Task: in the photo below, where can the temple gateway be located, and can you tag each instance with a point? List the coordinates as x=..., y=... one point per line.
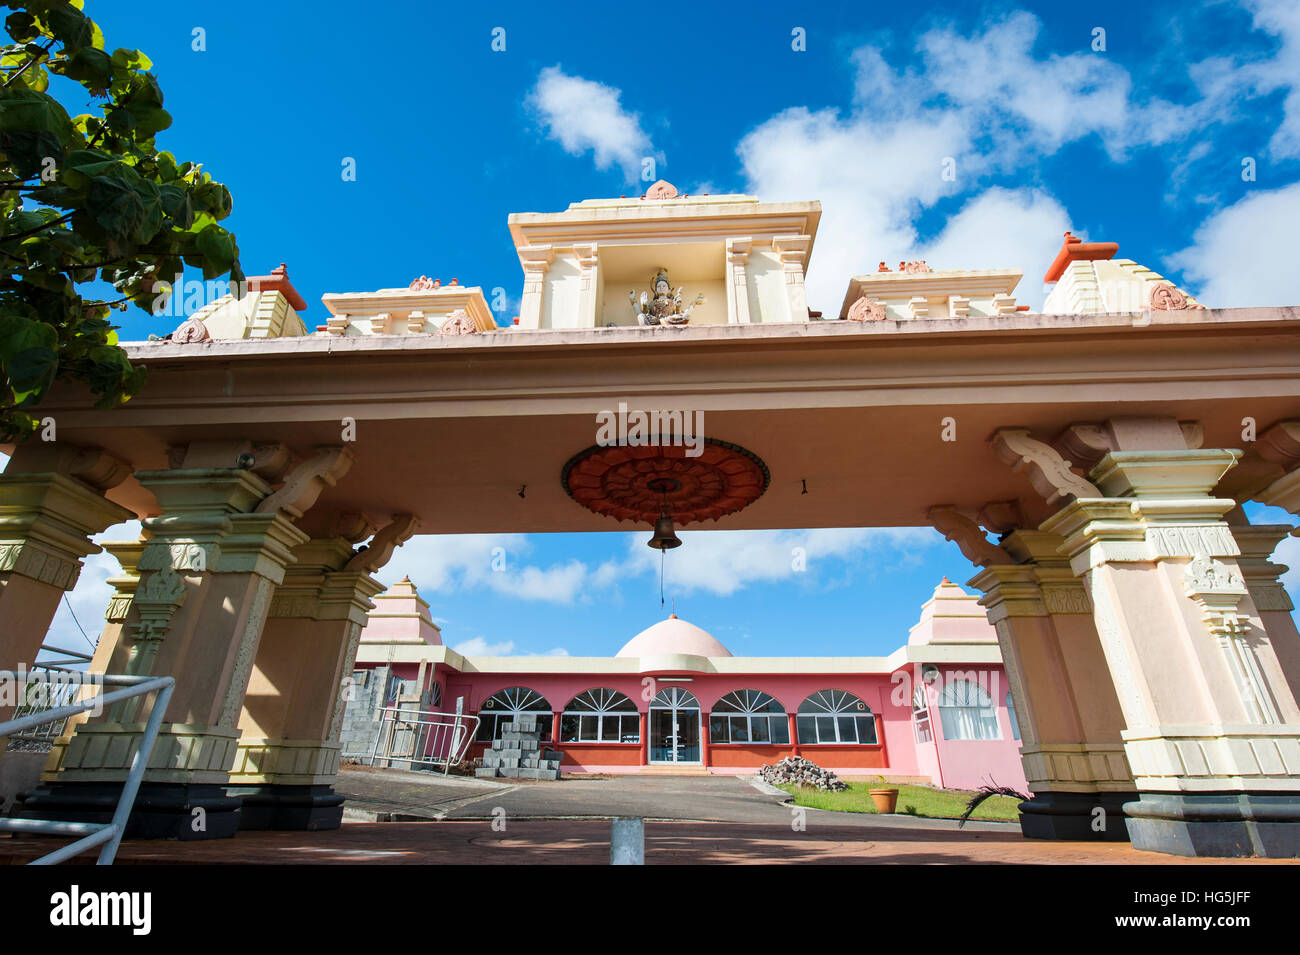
x=1091, y=462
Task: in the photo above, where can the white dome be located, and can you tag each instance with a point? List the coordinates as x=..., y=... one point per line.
x=673, y=636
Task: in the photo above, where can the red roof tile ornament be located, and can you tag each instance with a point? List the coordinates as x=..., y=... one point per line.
x=192, y=331
x=663, y=189
x=424, y=284
x=866, y=310
x=459, y=323
x=1074, y=249
x=1166, y=297
x=278, y=281
x=884, y=268
x=616, y=481
x=917, y=266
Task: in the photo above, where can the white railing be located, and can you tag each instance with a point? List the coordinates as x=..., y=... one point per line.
x=107, y=834
x=423, y=739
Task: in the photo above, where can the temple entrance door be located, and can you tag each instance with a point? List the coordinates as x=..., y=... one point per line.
x=674, y=728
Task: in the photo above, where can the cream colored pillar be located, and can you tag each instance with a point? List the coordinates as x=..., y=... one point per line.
x=293, y=711
x=1213, y=728
x=1069, y=716
x=51, y=503
x=738, y=280
x=206, y=575
x=536, y=261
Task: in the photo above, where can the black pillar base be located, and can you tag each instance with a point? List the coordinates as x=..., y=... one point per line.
x=162, y=810
x=1062, y=815
x=311, y=808
x=1224, y=825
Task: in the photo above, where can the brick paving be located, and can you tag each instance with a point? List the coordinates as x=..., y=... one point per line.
x=586, y=842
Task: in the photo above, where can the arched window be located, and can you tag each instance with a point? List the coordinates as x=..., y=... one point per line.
x=600, y=715
x=921, y=715
x=505, y=706
x=674, y=697
x=1011, y=716
x=748, y=716
x=835, y=716
x=966, y=712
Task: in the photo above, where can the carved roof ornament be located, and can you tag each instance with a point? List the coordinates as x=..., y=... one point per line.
x=458, y=323
x=1048, y=472
x=192, y=331
x=663, y=189
x=1166, y=297
x=665, y=308
x=915, y=266
x=867, y=310
x=967, y=535
x=376, y=554
x=425, y=284
x=306, y=482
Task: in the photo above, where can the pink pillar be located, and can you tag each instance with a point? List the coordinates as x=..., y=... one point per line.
x=645, y=739
x=794, y=734
x=704, y=739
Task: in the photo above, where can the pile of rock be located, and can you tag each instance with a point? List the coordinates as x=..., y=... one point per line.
x=802, y=772
x=518, y=754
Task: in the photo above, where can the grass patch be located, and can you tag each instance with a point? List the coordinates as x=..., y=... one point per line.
x=912, y=800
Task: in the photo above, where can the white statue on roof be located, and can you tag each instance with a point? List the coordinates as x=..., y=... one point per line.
x=666, y=306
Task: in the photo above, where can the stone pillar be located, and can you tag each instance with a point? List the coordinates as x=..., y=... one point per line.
x=51, y=503
x=536, y=261
x=1213, y=729
x=292, y=716
x=206, y=575
x=1070, y=719
x=793, y=252
x=588, y=285
x=1257, y=543
x=738, y=280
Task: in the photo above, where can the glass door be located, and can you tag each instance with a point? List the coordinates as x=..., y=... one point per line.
x=674, y=727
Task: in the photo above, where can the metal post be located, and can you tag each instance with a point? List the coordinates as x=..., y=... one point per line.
x=627, y=841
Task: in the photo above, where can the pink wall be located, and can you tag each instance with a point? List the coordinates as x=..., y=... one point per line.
x=954, y=764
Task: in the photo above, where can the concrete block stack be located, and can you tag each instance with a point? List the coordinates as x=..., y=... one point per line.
x=518, y=754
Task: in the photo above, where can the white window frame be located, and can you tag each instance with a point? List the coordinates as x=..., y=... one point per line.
x=967, y=713
x=921, y=714
x=518, y=703
x=753, y=704
x=835, y=704
x=600, y=702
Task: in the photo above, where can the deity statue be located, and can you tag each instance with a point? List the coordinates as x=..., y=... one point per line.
x=666, y=306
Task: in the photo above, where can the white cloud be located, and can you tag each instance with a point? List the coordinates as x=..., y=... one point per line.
x=1001, y=228
x=1281, y=18
x=724, y=562
x=482, y=647
x=484, y=561
x=986, y=104
x=1243, y=255
x=583, y=115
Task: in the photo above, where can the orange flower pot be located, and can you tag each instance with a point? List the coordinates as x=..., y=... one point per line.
x=886, y=800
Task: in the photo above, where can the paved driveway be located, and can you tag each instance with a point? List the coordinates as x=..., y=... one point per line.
x=695, y=798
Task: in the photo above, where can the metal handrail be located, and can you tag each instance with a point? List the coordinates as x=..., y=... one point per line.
x=109, y=834
x=435, y=737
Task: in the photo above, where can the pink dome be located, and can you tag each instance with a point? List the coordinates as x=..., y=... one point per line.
x=673, y=636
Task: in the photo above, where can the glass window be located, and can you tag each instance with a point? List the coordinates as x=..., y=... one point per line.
x=966, y=712
x=600, y=715
x=506, y=706
x=921, y=715
x=835, y=716
x=749, y=716
x=1011, y=716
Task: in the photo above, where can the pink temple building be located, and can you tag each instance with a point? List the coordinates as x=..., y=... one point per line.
x=674, y=699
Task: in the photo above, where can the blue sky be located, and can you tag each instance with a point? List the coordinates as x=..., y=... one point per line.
x=1143, y=142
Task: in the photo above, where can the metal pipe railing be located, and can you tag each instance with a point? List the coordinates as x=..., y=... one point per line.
x=427, y=738
x=107, y=834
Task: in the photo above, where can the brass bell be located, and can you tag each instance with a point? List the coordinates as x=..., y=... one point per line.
x=665, y=538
